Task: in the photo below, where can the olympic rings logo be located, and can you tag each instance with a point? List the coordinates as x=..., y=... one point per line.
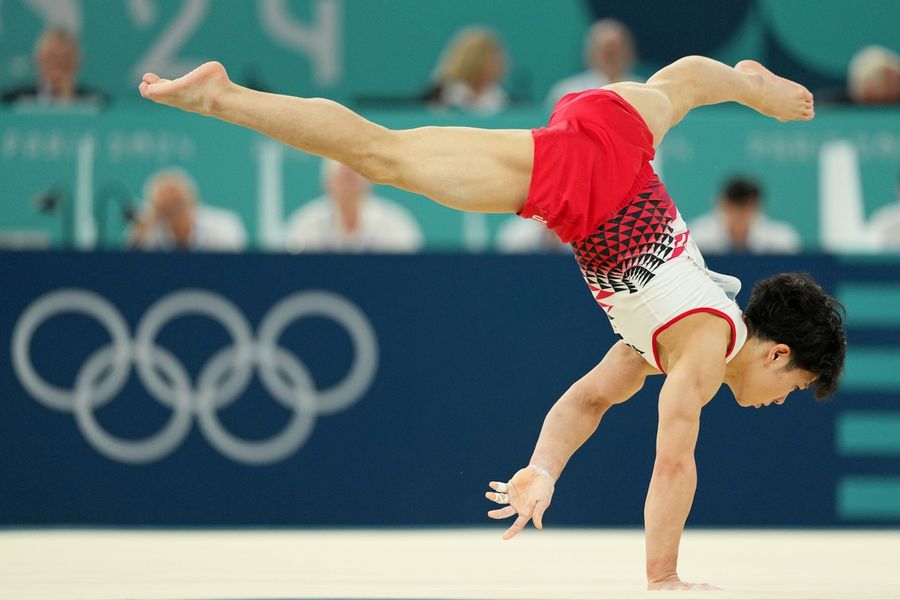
x=220, y=381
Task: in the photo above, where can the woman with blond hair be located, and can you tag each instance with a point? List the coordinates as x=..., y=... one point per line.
x=469, y=72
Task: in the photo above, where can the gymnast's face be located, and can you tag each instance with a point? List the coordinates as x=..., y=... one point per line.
x=767, y=379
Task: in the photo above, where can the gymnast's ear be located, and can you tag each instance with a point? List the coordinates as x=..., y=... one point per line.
x=780, y=354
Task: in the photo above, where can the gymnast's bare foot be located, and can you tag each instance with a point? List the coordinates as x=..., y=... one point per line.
x=197, y=91
x=779, y=98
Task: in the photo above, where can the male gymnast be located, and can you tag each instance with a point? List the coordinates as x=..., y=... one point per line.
x=587, y=176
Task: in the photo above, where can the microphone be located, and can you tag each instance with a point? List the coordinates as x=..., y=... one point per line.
x=113, y=192
x=55, y=200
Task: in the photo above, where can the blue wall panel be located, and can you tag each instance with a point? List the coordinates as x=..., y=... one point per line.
x=471, y=352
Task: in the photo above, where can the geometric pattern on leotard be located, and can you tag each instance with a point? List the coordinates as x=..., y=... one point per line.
x=625, y=251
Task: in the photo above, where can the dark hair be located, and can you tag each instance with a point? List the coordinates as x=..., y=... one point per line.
x=792, y=309
x=741, y=191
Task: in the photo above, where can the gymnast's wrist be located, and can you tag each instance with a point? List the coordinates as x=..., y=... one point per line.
x=547, y=468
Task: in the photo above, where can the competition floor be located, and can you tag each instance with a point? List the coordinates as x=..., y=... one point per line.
x=90, y=564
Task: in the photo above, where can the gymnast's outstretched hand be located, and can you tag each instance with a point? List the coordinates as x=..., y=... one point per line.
x=527, y=494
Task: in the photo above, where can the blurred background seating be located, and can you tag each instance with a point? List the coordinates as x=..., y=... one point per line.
x=494, y=65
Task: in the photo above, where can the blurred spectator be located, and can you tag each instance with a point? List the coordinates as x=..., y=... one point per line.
x=874, y=76
x=609, y=55
x=57, y=60
x=469, y=73
x=521, y=236
x=348, y=218
x=738, y=224
x=174, y=218
x=884, y=226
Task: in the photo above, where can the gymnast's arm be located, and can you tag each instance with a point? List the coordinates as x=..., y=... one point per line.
x=571, y=421
x=693, y=356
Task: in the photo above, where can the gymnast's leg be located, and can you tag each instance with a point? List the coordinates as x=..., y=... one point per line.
x=464, y=168
x=697, y=81
x=468, y=169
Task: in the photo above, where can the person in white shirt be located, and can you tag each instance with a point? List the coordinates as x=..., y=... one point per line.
x=884, y=226
x=175, y=219
x=609, y=55
x=737, y=224
x=349, y=218
x=57, y=64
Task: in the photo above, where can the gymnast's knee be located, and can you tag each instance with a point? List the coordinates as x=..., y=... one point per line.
x=682, y=82
x=377, y=159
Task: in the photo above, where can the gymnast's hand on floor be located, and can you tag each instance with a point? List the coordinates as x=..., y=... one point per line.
x=674, y=583
x=528, y=495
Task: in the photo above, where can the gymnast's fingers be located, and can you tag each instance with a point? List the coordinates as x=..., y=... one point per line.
x=502, y=513
x=538, y=516
x=498, y=498
x=516, y=527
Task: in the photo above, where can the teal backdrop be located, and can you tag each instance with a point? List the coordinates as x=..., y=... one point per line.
x=357, y=49
x=378, y=55
x=120, y=149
